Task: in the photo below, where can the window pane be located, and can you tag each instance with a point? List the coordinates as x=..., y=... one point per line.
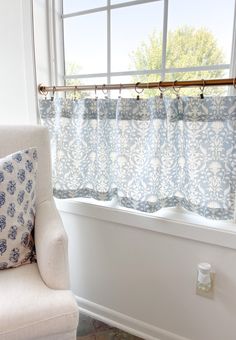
x=134, y=29
x=199, y=32
x=85, y=44
x=70, y=6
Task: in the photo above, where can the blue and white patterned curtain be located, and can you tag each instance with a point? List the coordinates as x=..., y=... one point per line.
x=149, y=153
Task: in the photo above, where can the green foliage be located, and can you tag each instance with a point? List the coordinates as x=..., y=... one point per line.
x=72, y=68
x=186, y=47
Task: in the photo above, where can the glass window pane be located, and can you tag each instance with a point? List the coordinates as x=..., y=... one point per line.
x=133, y=30
x=199, y=32
x=85, y=44
x=70, y=6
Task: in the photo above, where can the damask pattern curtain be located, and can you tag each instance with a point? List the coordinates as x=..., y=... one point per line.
x=149, y=153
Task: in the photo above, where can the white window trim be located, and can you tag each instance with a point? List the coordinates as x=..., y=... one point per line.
x=169, y=221
x=231, y=67
x=108, y=7
x=232, y=72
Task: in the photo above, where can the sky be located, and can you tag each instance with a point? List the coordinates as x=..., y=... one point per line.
x=85, y=36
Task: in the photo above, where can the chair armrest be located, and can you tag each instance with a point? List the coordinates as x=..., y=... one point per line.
x=51, y=246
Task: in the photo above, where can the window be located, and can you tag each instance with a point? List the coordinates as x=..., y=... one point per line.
x=117, y=41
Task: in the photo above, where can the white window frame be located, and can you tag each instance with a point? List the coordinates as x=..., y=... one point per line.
x=59, y=52
x=187, y=224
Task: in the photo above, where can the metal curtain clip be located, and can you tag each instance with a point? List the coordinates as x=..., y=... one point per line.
x=202, y=89
x=105, y=93
x=120, y=91
x=136, y=85
x=175, y=90
x=95, y=90
x=161, y=90
x=234, y=83
x=53, y=93
x=75, y=90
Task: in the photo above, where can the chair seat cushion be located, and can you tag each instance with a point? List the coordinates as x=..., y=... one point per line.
x=31, y=310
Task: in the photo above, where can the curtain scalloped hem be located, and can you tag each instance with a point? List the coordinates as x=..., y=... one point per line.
x=145, y=206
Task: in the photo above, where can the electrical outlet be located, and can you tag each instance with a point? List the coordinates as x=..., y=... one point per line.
x=207, y=292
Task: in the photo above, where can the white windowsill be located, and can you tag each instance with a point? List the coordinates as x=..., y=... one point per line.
x=170, y=221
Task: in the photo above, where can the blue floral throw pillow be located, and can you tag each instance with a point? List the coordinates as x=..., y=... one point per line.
x=17, y=208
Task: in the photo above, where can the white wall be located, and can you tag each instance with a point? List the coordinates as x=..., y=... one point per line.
x=150, y=278
x=17, y=84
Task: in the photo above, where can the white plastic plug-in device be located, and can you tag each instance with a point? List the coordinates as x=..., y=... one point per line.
x=205, y=280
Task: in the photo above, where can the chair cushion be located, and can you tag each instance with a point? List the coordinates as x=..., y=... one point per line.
x=17, y=207
x=31, y=310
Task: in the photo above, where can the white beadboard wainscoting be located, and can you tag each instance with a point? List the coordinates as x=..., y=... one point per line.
x=138, y=271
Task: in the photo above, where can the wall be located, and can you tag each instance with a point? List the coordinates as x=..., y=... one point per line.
x=26, y=57
x=17, y=85
x=144, y=280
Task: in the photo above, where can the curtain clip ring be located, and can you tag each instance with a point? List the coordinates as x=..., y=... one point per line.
x=175, y=89
x=120, y=90
x=202, y=89
x=75, y=91
x=103, y=88
x=136, y=85
x=53, y=93
x=234, y=83
x=161, y=90
x=95, y=90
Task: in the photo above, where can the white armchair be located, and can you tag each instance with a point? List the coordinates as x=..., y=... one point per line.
x=35, y=299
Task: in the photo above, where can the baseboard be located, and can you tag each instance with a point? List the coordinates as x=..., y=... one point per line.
x=125, y=322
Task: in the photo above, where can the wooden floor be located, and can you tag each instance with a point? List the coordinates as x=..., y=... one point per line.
x=91, y=329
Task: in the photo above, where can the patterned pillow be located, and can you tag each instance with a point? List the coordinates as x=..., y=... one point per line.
x=17, y=208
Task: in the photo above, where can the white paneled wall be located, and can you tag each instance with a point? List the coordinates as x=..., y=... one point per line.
x=145, y=280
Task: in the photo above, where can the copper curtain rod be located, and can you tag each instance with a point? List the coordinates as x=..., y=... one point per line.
x=162, y=84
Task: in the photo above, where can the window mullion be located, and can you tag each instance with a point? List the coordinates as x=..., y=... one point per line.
x=232, y=72
x=51, y=41
x=164, y=40
x=156, y=71
x=108, y=41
